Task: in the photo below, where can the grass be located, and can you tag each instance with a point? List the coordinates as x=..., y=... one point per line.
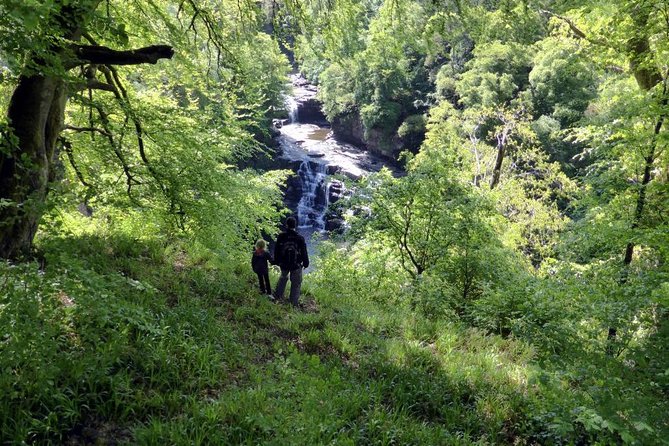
x=126, y=341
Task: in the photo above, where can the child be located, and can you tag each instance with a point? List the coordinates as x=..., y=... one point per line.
x=259, y=263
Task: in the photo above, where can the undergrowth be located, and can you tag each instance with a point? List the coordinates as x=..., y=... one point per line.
x=115, y=340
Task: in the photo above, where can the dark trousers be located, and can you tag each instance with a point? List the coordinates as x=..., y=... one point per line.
x=295, y=284
x=263, y=280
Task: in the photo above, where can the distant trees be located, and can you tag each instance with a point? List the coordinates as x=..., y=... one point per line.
x=546, y=125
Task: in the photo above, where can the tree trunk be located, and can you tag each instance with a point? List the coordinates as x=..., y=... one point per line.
x=36, y=116
x=497, y=169
x=647, y=77
x=501, y=148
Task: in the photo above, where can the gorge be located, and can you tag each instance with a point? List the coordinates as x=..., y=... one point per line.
x=309, y=147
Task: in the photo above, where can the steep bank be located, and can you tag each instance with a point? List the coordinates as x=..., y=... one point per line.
x=349, y=128
x=144, y=343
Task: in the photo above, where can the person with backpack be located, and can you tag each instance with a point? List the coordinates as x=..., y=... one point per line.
x=260, y=266
x=290, y=253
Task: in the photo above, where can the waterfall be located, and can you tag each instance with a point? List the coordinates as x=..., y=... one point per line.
x=314, y=201
x=313, y=181
x=312, y=151
x=291, y=105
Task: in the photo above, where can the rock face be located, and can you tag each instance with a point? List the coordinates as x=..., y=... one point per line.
x=335, y=191
x=349, y=128
x=293, y=192
x=334, y=224
x=309, y=109
x=267, y=159
x=334, y=220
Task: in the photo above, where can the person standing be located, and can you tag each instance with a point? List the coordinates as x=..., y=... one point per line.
x=259, y=263
x=290, y=253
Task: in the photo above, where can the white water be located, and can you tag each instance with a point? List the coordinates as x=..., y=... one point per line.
x=316, y=149
x=291, y=105
x=314, y=201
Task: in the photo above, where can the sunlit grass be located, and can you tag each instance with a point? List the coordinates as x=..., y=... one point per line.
x=154, y=344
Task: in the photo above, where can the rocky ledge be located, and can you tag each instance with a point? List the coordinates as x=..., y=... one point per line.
x=349, y=128
x=309, y=108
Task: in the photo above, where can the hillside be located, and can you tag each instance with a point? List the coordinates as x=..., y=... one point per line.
x=119, y=339
x=486, y=181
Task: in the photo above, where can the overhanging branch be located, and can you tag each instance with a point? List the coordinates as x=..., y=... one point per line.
x=575, y=29
x=94, y=84
x=87, y=129
x=97, y=54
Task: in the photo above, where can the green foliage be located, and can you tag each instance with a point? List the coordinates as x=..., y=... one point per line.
x=470, y=301
x=495, y=75
x=337, y=90
x=412, y=131
x=561, y=81
x=384, y=115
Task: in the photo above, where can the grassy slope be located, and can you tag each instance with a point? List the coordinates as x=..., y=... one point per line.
x=123, y=340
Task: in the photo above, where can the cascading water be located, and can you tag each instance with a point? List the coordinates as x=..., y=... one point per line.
x=291, y=105
x=314, y=200
x=313, y=181
x=312, y=146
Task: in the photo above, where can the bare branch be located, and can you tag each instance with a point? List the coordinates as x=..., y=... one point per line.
x=572, y=26
x=102, y=55
x=408, y=208
x=112, y=77
x=87, y=129
x=67, y=147
x=576, y=30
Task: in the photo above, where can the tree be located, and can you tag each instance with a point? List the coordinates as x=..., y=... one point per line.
x=173, y=132
x=36, y=110
x=624, y=35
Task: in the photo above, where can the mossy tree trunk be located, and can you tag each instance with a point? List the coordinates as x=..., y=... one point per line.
x=35, y=117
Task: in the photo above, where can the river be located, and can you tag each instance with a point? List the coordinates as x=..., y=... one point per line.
x=307, y=142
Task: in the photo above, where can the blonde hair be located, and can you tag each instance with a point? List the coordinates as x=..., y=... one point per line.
x=261, y=244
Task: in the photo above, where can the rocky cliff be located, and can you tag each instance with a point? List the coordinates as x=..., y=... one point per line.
x=309, y=109
x=349, y=128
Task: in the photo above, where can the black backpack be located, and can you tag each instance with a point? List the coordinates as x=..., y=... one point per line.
x=290, y=254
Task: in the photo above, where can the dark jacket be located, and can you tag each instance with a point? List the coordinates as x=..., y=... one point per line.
x=259, y=262
x=291, y=235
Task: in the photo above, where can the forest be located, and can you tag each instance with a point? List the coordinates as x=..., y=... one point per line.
x=495, y=272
